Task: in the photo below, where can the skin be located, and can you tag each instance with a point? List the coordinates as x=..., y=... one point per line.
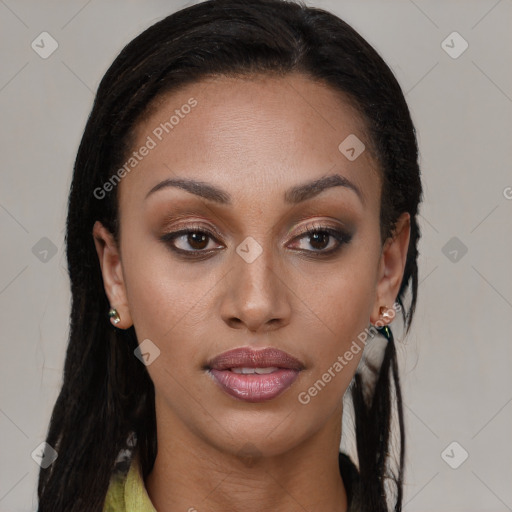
x=254, y=138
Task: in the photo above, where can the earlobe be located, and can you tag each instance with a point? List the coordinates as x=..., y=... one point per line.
x=112, y=272
x=391, y=269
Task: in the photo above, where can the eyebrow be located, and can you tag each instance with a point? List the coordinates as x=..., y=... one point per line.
x=294, y=195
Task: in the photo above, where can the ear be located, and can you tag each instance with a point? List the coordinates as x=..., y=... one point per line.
x=391, y=270
x=112, y=271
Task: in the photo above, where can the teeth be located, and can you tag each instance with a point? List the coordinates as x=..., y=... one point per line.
x=259, y=371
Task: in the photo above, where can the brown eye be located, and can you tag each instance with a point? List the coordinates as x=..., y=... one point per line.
x=191, y=241
x=319, y=238
x=196, y=240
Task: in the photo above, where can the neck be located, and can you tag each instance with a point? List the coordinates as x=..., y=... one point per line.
x=191, y=475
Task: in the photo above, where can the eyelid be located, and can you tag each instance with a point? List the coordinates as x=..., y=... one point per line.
x=342, y=237
x=344, y=231
x=169, y=236
x=210, y=230
x=317, y=225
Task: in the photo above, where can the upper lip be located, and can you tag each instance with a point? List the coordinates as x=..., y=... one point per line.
x=246, y=357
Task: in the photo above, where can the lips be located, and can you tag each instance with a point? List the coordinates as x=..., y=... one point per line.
x=246, y=357
x=254, y=375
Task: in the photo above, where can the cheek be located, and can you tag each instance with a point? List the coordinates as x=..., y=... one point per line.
x=168, y=307
x=340, y=297
x=165, y=305
x=337, y=310
x=171, y=304
x=163, y=292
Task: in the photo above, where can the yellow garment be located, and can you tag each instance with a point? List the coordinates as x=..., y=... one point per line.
x=127, y=492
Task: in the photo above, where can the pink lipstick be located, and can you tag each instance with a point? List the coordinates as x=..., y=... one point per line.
x=254, y=375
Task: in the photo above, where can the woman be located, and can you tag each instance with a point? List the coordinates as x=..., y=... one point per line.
x=242, y=221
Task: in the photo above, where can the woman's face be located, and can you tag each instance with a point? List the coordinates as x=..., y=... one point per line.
x=258, y=280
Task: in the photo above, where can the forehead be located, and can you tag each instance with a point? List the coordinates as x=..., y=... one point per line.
x=249, y=135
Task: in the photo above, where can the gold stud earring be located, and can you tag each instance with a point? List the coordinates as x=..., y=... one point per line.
x=114, y=316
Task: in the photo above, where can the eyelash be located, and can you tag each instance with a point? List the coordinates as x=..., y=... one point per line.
x=340, y=236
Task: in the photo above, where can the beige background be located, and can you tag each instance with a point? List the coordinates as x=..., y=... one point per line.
x=456, y=360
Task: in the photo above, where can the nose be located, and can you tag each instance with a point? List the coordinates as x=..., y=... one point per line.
x=255, y=295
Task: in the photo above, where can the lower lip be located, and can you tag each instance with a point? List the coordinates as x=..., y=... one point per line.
x=254, y=387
